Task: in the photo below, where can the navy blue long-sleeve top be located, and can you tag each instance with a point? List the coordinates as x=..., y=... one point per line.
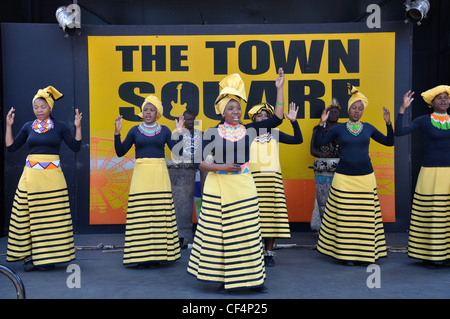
x=436, y=141
x=297, y=138
x=146, y=146
x=45, y=143
x=354, y=158
x=225, y=151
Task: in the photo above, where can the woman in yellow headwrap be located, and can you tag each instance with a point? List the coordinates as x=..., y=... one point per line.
x=151, y=234
x=266, y=170
x=40, y=231
x=429, y=232
x=352, y=228
x=227, y=245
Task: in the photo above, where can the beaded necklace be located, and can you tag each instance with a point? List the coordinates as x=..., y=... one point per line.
x=150, y=130
x=42, y=126
x=440, y=120
x=232, y=133
x=264, y=138
x=354, y=127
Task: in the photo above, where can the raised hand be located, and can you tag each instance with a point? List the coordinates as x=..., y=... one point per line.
x=118, y=124
x=407, y=100
x=386, y=115
x=179, y=123
x=10, y=117
x=324, y=115
x=292, y=114
x=279, y=82
x=78, y=117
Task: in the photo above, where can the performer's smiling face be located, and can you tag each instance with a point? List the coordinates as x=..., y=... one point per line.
x=233, y=112
x=41, y=109
x=355, y=111
x=440, y=103
x=149, y=113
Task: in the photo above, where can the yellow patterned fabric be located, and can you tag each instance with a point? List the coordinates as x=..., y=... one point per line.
x=429, y=231
x=227, y=245
x=231, y=87
x=49, y=94
x=266, y=170
x=352, y=225
x=255, y=110
x=41, y=223
x=151, y=233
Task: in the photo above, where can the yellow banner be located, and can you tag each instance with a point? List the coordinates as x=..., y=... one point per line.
x=184, y=71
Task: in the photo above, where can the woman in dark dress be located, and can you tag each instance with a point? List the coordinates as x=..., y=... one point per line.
x=352, y=228
x=40, y=230
x=429, y=232
x=227, y=244
x=266, y=170
x=151, y=234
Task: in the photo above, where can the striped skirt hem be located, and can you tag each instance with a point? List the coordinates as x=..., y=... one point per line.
x=273, y=213
x=227, y=245
x=151, y=229
x=352, y=226
x=429, y=232
x=41, y=223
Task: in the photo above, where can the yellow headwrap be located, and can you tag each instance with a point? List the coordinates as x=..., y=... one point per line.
x=429, y=95
x=356, y=96
x=49, y=94
x=156, y=102
x=232, y=87
x=255, y=110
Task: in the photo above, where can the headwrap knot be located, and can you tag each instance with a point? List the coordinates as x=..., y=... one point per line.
x=232, y=87
x=49, y=94
x=356, y=96
x=255, y=110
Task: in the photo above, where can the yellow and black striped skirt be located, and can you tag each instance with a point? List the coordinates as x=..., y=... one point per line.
x=352, y=226
x=429, y=232
x=227, y=246
x=151, y=228
x=273, y=213
x=41, y=224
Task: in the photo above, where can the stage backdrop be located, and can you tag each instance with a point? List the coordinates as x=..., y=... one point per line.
x=184, y=71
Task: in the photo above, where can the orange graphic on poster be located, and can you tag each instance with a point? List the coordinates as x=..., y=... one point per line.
x=110, y=180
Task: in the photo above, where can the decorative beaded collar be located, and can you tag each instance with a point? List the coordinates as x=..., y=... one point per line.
x=354, y=127
x=264, y=138
x=232, y=133
x=440, y=120
x=150, y=130
x=42, y=126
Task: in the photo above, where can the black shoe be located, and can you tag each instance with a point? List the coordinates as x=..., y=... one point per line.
x=261, y=289
x=268, y=261
x=429, y=264
x=268, y=258
x=349, y=263
x=28, y=265
x=45, y=267
x=222, y=289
